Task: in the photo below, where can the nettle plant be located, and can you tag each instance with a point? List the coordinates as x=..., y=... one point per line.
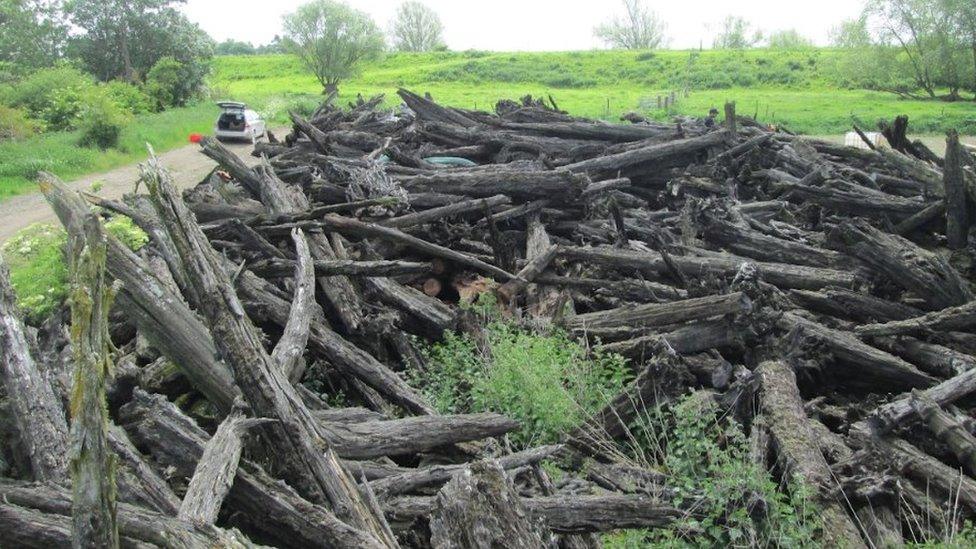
x=543, y=378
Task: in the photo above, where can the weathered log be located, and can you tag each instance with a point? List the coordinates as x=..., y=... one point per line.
x=631, y=290
x=270, y=507
x=795, y=445
x=435, y=214
x=412, y=435
x=866, y=360
x=892, y=414
x=93, y=506
x=843, y=303
x=554, y=185
x=215, y=471
x=947, y=429
x=751, y=243
x=480, y=508
x=951, y=318
x=932, y=358
x=296, y=438
x=563, y=514
x=285, y=267
x=632, y=161
x=920, y=219
x=695, y=338
x=39, y=415
x=779, y=274
x=907, y=265
x=532, y=269
x=409, y=481
x=636, y=319
x=38, y=515
x=432, y=312
x=957, y=209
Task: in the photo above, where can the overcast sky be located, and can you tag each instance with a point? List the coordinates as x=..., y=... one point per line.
x=538, y=25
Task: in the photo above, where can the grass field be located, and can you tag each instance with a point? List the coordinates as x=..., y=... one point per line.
x=60, y=154
x=798, y=89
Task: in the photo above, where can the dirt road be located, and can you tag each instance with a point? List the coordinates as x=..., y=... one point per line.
x=188, y=165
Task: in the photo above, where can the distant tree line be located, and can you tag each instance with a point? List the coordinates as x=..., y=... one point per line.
x=92, y=64
x=333, y=40
x=913, y=48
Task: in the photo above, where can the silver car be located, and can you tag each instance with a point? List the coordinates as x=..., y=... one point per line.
x=238, y=122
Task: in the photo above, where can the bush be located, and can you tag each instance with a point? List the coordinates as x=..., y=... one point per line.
x=129, y=98
x=171, y=83
x=14, y=124
x=38, y=272
x=64, y=107
x=101, y=121
x=34, y=92
x=547, y=381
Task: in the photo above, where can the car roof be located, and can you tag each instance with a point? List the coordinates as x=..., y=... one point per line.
x=231, y=105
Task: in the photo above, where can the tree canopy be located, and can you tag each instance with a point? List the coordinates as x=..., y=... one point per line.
x=33, y=33
x=788, y=39
x=416, y=27
x=639, y=28
x=332, y=40
x=126, y=38
x=736, y=34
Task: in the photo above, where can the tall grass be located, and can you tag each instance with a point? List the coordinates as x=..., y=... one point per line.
x=60, y=153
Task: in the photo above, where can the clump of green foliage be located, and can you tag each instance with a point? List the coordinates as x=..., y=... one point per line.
x=738, y=503
x=38, y=271
x=171, y=83
x=14, y=124
x=101, y=122
x=546, y=380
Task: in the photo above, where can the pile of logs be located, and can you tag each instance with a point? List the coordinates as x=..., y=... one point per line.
x=249, y=385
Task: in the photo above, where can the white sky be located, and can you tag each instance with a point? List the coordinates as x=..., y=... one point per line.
x=538, y=25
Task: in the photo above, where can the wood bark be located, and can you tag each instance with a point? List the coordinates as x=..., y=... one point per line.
x=93, y=466
x=215, y=472
x=795, y=445
x=39, y=415
x=957, y=208
x=480, y=508
x=305, y=457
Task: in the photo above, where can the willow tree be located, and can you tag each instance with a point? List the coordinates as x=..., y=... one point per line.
x=333, y=40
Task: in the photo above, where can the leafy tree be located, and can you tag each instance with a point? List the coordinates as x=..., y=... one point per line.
x=924, y=47
x=170, y=83
x=275, y=46
x=851, y=34
x=333, y=40
x=639, y=29
x=416, y=27
x=125, y=38
x=33, y=33
x=736, y=34
x=234, y=47
x=788, y=40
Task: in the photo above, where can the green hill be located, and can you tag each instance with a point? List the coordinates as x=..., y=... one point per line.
x=799, y=89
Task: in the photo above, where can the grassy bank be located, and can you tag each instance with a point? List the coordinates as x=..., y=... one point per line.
x=60, y=153
x=801, y=90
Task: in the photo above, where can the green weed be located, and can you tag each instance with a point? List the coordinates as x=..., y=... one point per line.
x=38, y=271
x=546, y=380
x=733, y=500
